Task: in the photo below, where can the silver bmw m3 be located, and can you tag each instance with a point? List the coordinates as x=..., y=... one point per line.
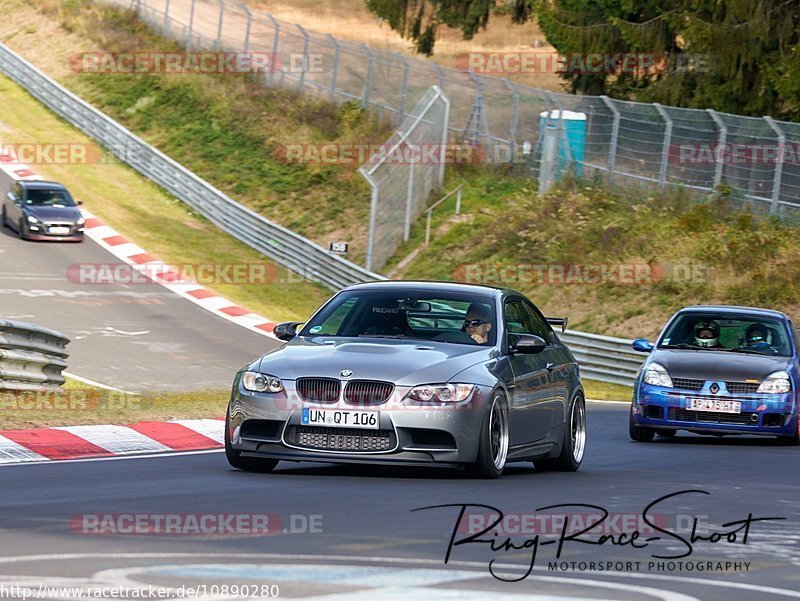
x=413, y=373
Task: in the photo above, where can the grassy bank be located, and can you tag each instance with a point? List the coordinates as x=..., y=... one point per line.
x=615, y=262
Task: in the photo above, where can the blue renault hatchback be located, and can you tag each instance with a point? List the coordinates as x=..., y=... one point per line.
x=719, y=370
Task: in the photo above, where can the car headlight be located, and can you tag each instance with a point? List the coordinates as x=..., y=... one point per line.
x=32, y=219
x=256, y=382
x=441, y=393
x=81, y=221
x=776, y=382
x=656, y=375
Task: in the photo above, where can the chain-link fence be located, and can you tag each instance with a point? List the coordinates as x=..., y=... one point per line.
x=404, y=174
x=699, y=149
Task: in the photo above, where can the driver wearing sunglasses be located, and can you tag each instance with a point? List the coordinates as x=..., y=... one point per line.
x=477, y=323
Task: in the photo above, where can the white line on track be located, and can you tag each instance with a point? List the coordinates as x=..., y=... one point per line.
x=116, y=458
x=361, y=560
x=97, y=384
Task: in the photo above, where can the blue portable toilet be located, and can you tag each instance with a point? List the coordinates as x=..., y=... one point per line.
x=574, y=125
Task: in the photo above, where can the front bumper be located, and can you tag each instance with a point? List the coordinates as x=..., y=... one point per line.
x=39, y=232
x=761, y=414
x=409, y=433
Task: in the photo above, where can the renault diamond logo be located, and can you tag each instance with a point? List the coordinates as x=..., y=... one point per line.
x=345, y=373
x=714, y=388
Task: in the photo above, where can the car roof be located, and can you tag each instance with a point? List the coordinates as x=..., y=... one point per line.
x=427, y=285
x=734, y=309
x=39, y=184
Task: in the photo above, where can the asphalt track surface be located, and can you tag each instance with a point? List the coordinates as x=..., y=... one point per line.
x=131, y=336
x=369, y=544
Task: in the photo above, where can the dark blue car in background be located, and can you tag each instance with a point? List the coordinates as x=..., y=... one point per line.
x=719, y=370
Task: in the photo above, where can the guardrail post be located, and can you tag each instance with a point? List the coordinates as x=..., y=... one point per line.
x=409, y=201
x=191, y=26
x=335, y=74
x=368, y=83
x=662, y=171
x=304, y=33
x=219, y=23
x=274, y=58
x=246, y=47
x=612, y=151
x=458, y=200
x=776, y=181
x=722, y=139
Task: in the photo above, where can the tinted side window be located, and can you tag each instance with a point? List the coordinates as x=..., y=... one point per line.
x=518, y=319
x=540, y=326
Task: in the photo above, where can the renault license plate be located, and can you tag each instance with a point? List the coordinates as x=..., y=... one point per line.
x=714, y=405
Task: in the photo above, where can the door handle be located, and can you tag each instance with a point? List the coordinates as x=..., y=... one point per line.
x=550, y=366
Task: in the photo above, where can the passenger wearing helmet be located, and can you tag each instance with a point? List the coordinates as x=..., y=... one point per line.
x=706, y=334
x=756, y=337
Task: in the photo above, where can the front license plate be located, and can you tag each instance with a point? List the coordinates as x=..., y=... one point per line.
x=714, y=405
x=58, y=230
x=335, y=418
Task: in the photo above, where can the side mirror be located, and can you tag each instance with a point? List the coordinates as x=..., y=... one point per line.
x=79, y=203
x=642, y=345
x=286, y=330
x=12, y=198
x=528, y=344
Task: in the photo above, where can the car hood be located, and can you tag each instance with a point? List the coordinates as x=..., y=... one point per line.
x=718, y=365
x=70, y=214
x=404, y=362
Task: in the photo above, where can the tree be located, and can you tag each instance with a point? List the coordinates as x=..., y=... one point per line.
x=738, y=56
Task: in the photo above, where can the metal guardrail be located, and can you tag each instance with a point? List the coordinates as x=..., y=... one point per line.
x=276, y=242
x=601, y=357
x=604, y=358
x=31, y=357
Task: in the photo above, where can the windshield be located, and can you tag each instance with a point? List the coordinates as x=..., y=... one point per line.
x=410, y=314
x=723, y=332
x=49, y=198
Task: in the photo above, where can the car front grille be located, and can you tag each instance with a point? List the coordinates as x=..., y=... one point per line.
x=746, y=387
x=710, y=417
x=687, y=383
x=319, y=390
x=367, y=392
x=341, y=439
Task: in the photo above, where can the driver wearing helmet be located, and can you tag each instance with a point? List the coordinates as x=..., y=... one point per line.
x=706, y=334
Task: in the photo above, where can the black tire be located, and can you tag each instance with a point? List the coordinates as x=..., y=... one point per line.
x=638, y=433
x=791, y=441
x=666, y=433
x=249, y=464
x=573, y=447
x=3, y=222
x=493, y=446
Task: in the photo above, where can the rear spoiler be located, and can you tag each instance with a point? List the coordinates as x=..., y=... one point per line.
x=558, y=321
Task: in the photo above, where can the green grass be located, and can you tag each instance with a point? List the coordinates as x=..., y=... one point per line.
x=688, y=251
x=233, y=131
x=159, y=223
x=80, y=404
x=604, y=391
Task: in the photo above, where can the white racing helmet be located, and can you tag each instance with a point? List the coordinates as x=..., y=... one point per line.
x=706, y=333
